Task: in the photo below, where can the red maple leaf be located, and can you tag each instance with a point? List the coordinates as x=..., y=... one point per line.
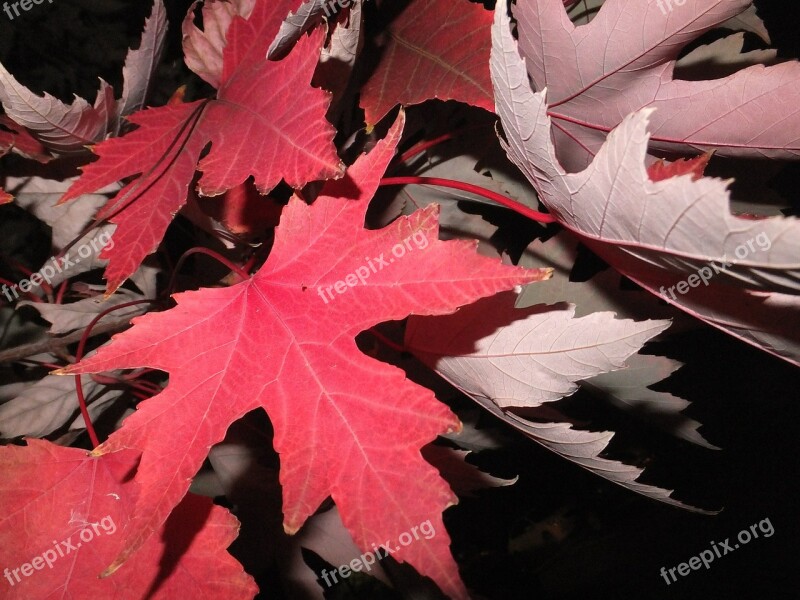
x=435, y=49
x=63, y=523
x=266, y=121
x=346, y=425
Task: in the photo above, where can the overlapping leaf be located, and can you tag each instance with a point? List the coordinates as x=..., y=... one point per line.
x=340, y=55
x=345, y=425
x=657, y=233
x=203, y=48
x=535, y=359
x=623, y=61
x=627, y=388
x=79, y=314
x=15, y=138
x=67, y=129
x=307, y=16
x=266, y=121
x=39, y=196
x=140, y=64
x=584, y=448
x=62, y=128
x=70, y=510
x=435, y=49
x=39, y=408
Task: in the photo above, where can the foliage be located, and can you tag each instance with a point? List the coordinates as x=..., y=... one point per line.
x=551, y=130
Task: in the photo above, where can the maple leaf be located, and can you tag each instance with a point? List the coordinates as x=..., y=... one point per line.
x=623, y=61
x=665, y=234
x=503, y=358
x=266, y=121
x=346, y=425
x=627, y=388
x=531, y=355
x=435, y=49
x=68, y=510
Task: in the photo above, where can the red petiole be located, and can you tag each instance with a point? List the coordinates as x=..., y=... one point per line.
x=521, y=209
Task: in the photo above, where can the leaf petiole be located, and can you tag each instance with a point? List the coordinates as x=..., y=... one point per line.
x=521, y=209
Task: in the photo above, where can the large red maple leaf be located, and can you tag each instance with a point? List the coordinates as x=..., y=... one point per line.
x=266, y=121
x=63, y=521
x=434, y=49
x=346, y=425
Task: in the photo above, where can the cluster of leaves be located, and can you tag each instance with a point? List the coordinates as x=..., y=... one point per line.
x=610, y=110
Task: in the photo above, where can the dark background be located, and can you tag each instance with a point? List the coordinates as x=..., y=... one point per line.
x=560, y=532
